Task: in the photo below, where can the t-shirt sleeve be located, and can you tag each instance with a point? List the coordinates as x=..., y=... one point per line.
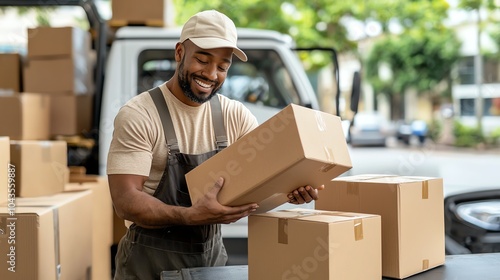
x=131, y=147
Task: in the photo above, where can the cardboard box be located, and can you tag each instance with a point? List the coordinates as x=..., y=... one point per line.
x=133, y=12
x=25, y=116
x=41, y=167
x=102, y=223
x=10, y=72
x=296, y=147
x=57, y=41
x=70, y=114
x=61, y=75
x=51, y=234
x=311, y=244
x=4, y=168
x=412, y=217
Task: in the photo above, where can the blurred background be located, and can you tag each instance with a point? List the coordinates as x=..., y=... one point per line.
x=426, y=67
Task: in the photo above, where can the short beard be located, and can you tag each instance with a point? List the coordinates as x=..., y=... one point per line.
x=186, y=88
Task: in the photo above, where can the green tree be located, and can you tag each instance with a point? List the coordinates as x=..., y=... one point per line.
x=310, y=23
x=421, y=57
x=477, y=6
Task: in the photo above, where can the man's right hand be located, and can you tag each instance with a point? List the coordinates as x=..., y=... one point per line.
x=208, y=210
x=132, y=204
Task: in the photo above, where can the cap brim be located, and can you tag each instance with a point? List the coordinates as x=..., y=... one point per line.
x=214, y=43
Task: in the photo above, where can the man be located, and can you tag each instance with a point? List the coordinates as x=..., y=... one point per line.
x=164, y=133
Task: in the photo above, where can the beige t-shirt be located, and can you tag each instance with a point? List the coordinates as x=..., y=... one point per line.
x=139, y=148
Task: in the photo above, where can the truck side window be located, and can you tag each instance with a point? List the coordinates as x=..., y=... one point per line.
x=263, y=79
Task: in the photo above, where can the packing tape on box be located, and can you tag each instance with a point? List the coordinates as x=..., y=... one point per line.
x=358, y=224
x=377, y=177
x=353, y=188
x=358, y=229
x=44, y=102
x=330, y=158
x=320, y=121
x=425, y=189
x=283, y=223
x=425, y=264
x=46, y=156
x=282, y=231
x=57, y=250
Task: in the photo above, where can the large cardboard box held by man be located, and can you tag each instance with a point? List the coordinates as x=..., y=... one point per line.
x=41, y=167
x=48, y=236
x=102, y=223
x=4, y=168
x=412, y=217
x=25, y=116
x=296, y=147
x=312, y=244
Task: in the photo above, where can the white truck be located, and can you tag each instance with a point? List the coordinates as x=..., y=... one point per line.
x=140, y=57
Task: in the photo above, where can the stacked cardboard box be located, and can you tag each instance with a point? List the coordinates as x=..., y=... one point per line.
x=41, y=167
x=138, y=12
x=25, y=116
x=10, y=73
x=59, y=65
x=102, y=221
x=58, y=61
x=412, y=217
x=401, y=217
x=52, y=230
x=47, y=237
x=70, y=114
x=58, y=235
x=296, y=147
x=311, y=244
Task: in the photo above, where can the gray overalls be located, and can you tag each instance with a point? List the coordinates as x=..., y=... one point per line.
x=144, y=253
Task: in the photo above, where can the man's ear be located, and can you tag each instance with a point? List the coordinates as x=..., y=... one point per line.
x=180, y=51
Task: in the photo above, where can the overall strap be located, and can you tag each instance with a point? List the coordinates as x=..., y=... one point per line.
x=218, y=122
x=166, y=120
x=168, y=126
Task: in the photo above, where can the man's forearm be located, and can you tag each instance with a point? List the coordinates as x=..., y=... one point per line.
x=148, y=211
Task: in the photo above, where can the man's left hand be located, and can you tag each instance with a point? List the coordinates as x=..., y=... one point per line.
x=304, y=195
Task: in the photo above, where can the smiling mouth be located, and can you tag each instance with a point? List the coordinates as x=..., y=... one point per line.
x=203, y=84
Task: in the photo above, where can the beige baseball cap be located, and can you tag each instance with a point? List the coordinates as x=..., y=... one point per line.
x=211, y=30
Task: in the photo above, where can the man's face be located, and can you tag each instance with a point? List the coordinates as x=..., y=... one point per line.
x=202, y=72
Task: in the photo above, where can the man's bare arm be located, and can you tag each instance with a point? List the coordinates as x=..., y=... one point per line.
x=132, y=204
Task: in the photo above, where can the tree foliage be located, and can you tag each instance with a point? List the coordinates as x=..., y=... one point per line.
x=310, y=23
x=421, y=56
x=416, y=58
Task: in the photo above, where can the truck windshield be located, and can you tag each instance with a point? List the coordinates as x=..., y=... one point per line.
x=263, y=79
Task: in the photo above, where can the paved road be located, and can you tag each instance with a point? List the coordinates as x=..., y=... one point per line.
x=461, y=170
